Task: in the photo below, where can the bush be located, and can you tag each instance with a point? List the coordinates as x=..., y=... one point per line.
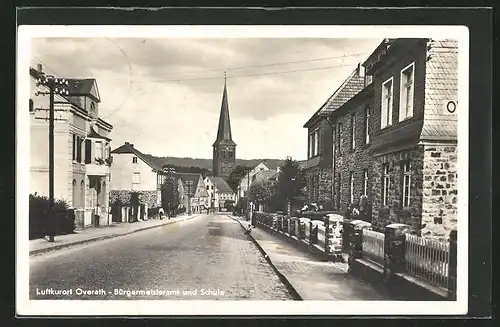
x=39, y=217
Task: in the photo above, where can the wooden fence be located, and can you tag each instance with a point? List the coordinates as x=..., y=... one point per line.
x=428, y=259
x=373, y=246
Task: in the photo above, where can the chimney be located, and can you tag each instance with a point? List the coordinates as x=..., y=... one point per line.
x=126, y=143
x=360, y=70
x=131, y=145
x=39, y=68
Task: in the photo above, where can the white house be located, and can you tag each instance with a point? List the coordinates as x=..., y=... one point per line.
x=81, y=148
x=133, y=171
x=219, y=191
x=248, y=179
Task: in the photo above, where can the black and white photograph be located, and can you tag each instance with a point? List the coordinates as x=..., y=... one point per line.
x=189, y=170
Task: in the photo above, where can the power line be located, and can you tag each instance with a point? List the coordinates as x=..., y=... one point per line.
x=258, y=74
x=266, y=65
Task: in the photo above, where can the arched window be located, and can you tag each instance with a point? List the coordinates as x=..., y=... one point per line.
x=73, y=195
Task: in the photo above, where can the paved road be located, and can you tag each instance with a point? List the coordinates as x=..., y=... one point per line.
x=207, y=257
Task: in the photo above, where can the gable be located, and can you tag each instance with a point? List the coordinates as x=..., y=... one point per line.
x=94, y=91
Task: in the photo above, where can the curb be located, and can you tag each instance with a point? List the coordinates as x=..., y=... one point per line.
x=296, y=296
x=102, y=238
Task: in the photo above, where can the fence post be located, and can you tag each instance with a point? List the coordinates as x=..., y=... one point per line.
x=452, y=267
x=394, y=249
x=354, y=244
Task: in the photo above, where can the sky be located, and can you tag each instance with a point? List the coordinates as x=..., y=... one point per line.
x=164, y=94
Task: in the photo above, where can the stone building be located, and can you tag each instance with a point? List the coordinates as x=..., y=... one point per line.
x=414, y=140
x=224, y=148
x=318, y=167
x=352, y=164
x=81, y=148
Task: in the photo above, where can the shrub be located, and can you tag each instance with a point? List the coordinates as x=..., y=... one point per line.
x=39, y=217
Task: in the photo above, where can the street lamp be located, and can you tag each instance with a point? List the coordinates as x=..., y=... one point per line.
x=56, y=86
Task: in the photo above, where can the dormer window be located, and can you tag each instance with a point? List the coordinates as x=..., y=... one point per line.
x=406, y=95
x=386, y=112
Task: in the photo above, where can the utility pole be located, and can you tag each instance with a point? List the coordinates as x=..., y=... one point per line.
x=59, y=86
x=189, y=186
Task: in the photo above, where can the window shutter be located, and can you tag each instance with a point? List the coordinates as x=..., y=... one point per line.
x=383, y=113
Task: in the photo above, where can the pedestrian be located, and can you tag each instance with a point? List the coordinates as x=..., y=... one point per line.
x=161, y=213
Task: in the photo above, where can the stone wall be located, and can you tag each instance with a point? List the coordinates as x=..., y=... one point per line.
x=439, y=210
x=148, y=198
x=352, y=160
x=394, y=212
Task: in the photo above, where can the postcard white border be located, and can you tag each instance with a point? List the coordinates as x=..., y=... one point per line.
x=25, y=306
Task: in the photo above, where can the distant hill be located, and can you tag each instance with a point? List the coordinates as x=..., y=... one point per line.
x=206, y=164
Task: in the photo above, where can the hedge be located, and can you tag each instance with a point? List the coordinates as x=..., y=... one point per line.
x=39, y=217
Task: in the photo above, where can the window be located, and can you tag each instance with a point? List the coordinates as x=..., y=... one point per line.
x=82, y=194
x=208, y=187
x=136, y=179
x=134, y=159
x=353, y=131
x=386, y=112
x=406, y=184
x=314, y=143
x=98, y=149
x=339, y=138
x=406, y=94
x=88, y=151
x=78, y=149
x=365, y=182
x=74, y=147
x=351, y=187
x=73, y=195
x=32, y=108
x=367, y=125
x=386, y=181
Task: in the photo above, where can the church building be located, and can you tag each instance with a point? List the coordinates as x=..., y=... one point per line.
x=224, y=148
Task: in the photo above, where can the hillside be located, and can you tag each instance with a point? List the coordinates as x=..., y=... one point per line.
x=207, y=163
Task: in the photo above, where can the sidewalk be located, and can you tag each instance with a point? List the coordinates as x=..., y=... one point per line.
x=311, y=278
x=93, y=234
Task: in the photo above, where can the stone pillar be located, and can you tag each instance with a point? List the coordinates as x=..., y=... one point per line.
x=452, y=267
x=79, y=219
x=327, y=234
x=395, y=249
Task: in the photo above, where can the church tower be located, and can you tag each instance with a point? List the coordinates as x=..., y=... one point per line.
x=224, y=148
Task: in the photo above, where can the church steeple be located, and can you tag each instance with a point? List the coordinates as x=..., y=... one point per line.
x=224, y=148
x=224, y=131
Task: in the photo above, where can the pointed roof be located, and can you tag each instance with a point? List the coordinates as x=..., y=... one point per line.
x=224, y=136
x=221, y=184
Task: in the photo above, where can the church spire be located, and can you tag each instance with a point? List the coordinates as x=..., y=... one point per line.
x=224, y=131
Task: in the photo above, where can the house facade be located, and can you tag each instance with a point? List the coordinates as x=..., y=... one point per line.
x=219, y=192
x=247, y=180
x=132, y=171
x=319, y=164
x=414, y=141
x=199, y=197
x=81, y=148
x=352, y=163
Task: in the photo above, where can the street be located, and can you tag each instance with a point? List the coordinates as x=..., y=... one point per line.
x=208, y=257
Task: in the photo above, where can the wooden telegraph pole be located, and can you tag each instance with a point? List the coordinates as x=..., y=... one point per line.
x=55, y=86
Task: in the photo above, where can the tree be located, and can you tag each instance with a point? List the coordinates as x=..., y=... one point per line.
x=169, y=194
x=291, y=182
x=237, y=175
x=261, y=192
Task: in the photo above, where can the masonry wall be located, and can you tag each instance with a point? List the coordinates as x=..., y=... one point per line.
x=439, y=209
x=352, y=160
x=324, y=177
x=394, y=212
